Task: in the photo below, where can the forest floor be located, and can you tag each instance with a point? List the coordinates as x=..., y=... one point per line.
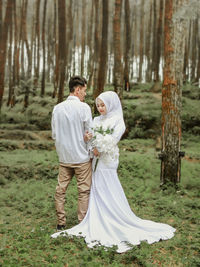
x=28, y=177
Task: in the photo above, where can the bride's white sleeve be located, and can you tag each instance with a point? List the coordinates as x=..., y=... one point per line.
x=119, y=129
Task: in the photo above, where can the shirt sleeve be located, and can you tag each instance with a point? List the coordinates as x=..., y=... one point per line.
x=119, y=129
x=87, y=118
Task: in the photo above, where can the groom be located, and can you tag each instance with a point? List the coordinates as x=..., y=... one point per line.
x=70, y=120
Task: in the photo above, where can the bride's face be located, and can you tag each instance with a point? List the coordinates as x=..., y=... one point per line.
x=101, y=107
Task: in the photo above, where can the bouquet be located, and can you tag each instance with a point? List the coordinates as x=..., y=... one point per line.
x=105, y=143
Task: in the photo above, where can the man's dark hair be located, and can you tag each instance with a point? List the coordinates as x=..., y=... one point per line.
x=76, y=81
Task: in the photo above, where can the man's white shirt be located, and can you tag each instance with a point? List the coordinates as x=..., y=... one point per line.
x=70, y=120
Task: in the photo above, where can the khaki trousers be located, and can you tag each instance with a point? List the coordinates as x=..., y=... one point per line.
x=83, y=173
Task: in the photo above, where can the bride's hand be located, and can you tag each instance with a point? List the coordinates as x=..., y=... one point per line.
x=96, y=152
x=87, y=136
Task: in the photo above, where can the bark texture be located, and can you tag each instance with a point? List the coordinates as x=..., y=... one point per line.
x=3, y=46
x=62, y=47
x=171, y=94
x=118, y=71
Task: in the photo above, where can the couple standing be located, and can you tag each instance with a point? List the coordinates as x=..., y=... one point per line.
x=107, y=220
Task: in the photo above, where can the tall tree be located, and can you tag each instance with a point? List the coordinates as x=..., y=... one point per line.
x=37, y=45
x=16, y=48
x=141, y=40
x=127, y=45
x=103, y=52
x=154, y=41
x=90, y=43
x=83, y=37
x=159, y=42
x=198, y=56
x=186, y=55
x=10, y=70
x=25, y=40
x=61, y=47
x=96, y=46
x=118, y=70
x=194, y=49
x=1, y=7
x=148, y=50
x=3, y=46
x=174, y=33
x=56, y=69
x=44, y=49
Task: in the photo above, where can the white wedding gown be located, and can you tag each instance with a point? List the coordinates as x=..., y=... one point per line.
x=109, y=220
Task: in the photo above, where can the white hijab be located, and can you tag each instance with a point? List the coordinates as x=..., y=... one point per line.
x=112, y=103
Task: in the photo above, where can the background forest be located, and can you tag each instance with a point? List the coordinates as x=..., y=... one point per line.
x=146, y=51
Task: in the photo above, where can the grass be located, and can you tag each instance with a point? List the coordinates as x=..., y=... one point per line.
x=28, y=177
x=28, y=214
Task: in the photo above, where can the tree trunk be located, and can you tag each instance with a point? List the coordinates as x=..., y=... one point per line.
x=103, y=52
x=10, y=86
x=3, y=46
x=127, y=45
x=15, y=67
x=25, y=39
x=148, y=47
x=21, y=40
x=118, y=70
x=198, y=58
x=89, y=41
x=186, y=55
x=194, y=49
x=1, y=6
x=96, y=47
x=141, y=40
x=70, y=33
x=159, y=38
x=44, y=49
x=83, y=37
x=37, y=45
x=56, y=70
x=61, y=47
x=154, y=45
x=174, y=32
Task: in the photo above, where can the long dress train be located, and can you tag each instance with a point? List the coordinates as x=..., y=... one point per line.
x=109, y=220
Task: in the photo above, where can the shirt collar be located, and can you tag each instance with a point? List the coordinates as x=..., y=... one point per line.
x=73, y=97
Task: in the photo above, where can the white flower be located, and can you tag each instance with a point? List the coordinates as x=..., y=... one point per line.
x=105, y=143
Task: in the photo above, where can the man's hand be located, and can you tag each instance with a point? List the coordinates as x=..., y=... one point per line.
x=87, y=136
x=96, y=152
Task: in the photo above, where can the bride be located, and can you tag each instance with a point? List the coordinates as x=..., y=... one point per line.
x=109, y=220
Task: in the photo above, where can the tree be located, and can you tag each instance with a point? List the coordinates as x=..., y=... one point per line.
x=141, y=40
x=96, y=47
x=118, y=71
x=154, y=41
x=127, y=45
x=56, y=69
x=83, y=37
x=10, y=87
x=37, y=45
x=44, y=48
x=194, y=49
x=61, y=47
x=3, y=46
x=104, y=51
x=90, y=43
x=25, y=40
x=148, y=47
x=174, y=38
x=1, y=6
x=159, y=42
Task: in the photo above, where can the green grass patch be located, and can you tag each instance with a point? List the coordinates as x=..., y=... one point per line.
x=28, y=214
